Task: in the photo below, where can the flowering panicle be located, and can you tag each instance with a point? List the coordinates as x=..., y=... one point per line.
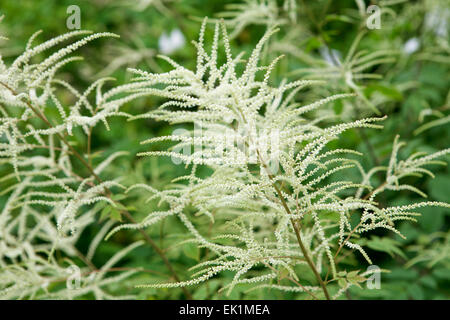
x=270, y=210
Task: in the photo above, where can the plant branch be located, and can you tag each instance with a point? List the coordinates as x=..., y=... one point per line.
x=297, y=233
x=107, y=191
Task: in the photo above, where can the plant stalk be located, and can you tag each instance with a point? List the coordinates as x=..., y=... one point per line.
x=107, y=192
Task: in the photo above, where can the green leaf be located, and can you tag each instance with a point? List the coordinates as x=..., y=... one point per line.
x=442, y=274
x=429, y=281
x=400, y=273
x=115, y=214
x=337, y=17
x=352, y=274
x=389, y=92
x=416, y=292
x=432, y=219
x=342, y=282
x=105, y=212
x=313, y=43
x=192, y=251
x=385, y=244
x=439, y=188
x=342, y=273
x=121, y=207
x=118, y=197
x=100, y=205
x=338, y=106
x=306, y=273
